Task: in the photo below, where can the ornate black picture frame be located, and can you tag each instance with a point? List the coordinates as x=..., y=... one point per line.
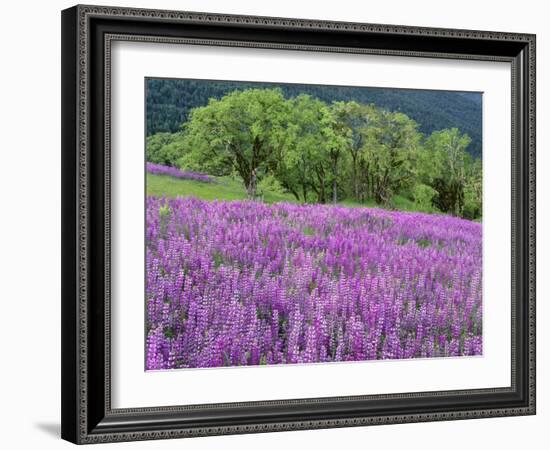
x=87, y=34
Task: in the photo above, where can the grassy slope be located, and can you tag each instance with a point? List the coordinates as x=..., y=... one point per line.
x=230, y=189
x=399, y=202
x=225, y=189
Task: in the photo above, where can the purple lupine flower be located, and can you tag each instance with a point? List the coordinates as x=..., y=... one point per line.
x=240, y=283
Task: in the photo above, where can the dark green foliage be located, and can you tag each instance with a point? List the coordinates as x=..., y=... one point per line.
x=164, y=148
x=423, y=196
x=450, y=169
x=169, y=102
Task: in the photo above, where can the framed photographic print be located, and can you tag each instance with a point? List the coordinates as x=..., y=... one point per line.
x=279, y=224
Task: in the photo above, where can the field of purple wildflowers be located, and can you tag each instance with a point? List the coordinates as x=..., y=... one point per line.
x=234, y=283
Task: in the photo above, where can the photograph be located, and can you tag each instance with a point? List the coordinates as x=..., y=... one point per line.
x=299, y=223
x=279, y=220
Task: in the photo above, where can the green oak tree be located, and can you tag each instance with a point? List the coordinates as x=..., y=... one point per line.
x=301, y=146
x=311, y=150
x=355, y=119
x=239, y=132
x=389, y=155
x=447, y=166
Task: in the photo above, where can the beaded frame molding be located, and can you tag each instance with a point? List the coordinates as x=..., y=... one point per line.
x=87, y=35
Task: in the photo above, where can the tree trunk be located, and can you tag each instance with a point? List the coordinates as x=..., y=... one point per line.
x=251, y=192
x=251, y=188
x=354, y=175
x=335, y=157
x=335, y=181
x=322, y=195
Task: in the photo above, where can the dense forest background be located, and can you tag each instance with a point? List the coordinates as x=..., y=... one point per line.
x=169, y=102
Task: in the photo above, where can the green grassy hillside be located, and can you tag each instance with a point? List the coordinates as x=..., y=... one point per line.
x=227, y=188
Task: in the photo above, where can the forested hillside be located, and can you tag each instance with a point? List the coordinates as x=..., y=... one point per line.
x=170, y=100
